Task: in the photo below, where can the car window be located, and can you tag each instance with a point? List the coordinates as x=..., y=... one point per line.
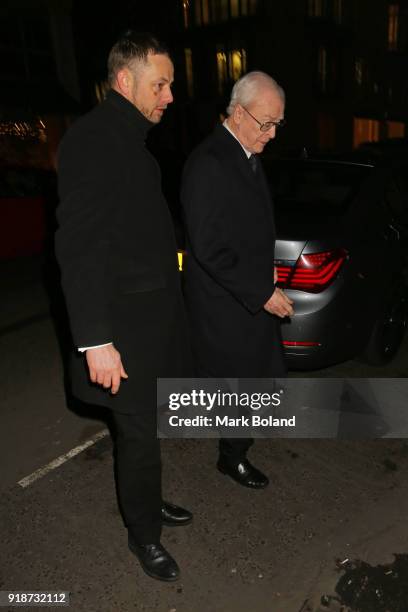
x=315, y=189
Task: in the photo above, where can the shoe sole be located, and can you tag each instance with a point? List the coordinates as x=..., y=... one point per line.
x=243, y=484
x=147, y=572
x=188, y=522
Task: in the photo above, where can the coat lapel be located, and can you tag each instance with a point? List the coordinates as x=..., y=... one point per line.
x=258, y=182
x=233, y=154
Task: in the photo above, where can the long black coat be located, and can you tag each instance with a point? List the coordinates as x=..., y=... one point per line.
x=230, y=262
x=118, y=254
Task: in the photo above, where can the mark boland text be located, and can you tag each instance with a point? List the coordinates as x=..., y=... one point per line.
x=225, y=421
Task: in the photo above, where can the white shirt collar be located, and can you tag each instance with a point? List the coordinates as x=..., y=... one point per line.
x=248, y=153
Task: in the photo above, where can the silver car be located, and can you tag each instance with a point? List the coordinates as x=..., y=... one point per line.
x=340, y=257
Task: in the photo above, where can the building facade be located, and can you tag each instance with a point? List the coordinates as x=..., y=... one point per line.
x=38, y=80
x=342, y=63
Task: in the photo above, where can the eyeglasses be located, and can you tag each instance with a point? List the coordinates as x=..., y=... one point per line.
x=265, y=127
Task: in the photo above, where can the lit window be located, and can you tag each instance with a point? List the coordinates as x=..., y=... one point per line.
x=244, y=8
x=322, y=69
x=315, y=8
x=186, y=13
x=231, y=66
x=206, y=11
x=365, y=130
x=253, y=5
x=221, y=71
x=237, y=63
x=327, y=131
x=234, y=8
x=223, y=9
x=220, y=9
x=188, y=57
x=358, y=70
x=197, y=12
x=393, y=15
x=395, y=129
x=214, y=10
x=101, y=89
x=338, y=11
x=98, y=92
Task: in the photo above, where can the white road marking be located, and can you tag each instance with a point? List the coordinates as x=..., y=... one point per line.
x=28, y=480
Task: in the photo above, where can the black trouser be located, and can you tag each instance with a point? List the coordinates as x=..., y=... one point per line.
x=138, y=474
x=234, y=450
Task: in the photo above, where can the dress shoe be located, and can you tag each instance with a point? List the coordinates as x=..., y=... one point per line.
x=174, y=516
x=155, y=560
x=244, y=473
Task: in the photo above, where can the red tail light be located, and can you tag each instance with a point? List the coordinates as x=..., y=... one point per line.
x=313, y=272
x=283, y=273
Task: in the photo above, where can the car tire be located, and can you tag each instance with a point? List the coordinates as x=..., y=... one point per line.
x=388, y=331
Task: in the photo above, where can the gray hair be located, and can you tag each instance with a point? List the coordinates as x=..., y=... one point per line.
x=247, y=88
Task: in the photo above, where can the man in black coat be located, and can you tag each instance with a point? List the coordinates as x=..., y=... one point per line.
x=118, y=258
x=232, y=300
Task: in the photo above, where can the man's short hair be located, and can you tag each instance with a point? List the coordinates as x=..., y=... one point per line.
x=130, y=49
x=246, y=89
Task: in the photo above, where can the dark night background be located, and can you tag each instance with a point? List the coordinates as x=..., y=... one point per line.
x=342, y=63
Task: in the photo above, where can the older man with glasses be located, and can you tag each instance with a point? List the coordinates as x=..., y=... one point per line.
x=233, y=302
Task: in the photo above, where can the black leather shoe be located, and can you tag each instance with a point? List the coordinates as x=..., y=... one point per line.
x=244, y=473
x=174, y=516
x=155, y=560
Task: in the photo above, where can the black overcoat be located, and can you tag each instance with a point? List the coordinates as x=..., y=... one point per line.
x=118, y=255
x=230, y=262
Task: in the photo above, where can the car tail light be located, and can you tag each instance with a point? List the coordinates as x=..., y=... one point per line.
x=283, y=273
x=313, y=272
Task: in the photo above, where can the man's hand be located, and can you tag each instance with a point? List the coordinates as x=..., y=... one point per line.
x=105, y=367
x=275, y=275
x=279, y=304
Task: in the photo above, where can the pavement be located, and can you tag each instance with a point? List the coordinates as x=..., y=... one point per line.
x=276, y=550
